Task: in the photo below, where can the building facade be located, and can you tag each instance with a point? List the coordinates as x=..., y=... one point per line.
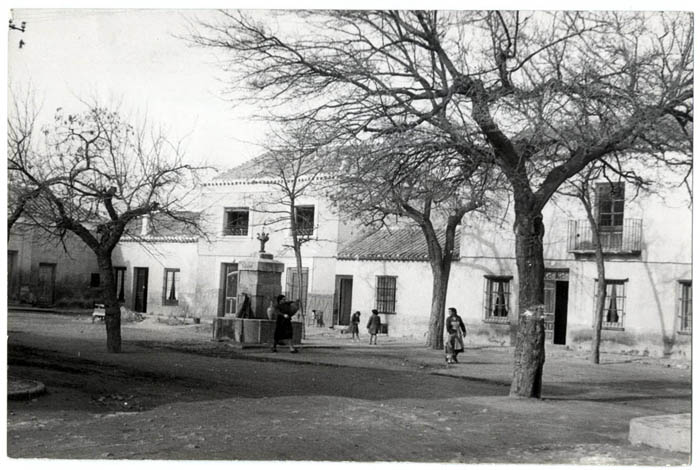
x=646, y=239
x=647, y=243
x=43, y=271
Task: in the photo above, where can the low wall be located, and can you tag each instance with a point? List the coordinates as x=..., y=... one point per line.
x=250, y=330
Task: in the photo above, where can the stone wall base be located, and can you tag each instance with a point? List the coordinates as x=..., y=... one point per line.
x=249, y=330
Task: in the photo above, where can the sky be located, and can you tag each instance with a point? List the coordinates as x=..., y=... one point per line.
x=137, y=57
x=134, y=58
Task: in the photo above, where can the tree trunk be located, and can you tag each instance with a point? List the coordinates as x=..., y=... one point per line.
x=600, y=298
x=296, y=245
x=441, y=264
x=529, y=343
x=441, y=275
x=300, y=293
x=112, y=310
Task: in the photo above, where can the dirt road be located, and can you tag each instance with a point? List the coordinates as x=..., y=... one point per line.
x=160, y=403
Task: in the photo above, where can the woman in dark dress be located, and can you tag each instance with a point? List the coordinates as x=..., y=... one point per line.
x=373, y=326
x=283, y=324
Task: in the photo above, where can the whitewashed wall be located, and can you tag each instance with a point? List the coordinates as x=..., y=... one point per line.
x=157, y=257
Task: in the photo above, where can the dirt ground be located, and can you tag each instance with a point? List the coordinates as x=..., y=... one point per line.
x=174, y=394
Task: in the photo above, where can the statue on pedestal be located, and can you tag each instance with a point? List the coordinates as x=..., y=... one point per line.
x=263, y=237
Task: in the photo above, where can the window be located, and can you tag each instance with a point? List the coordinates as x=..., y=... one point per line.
x=305, y=220
x=610, y=205
x=386, y=294
x=170, y=286
x=94, y=279
x=614, y=307
x=497, y=298
x=611, y=211
x=686, y=307
x=236, y=222
x=119, y=277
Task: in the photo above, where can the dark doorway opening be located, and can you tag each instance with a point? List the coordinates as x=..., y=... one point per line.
x=560, y=311
x=556, y=301
x=342, y=304
x=140, y=289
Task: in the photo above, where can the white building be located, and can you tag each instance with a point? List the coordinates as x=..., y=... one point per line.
x=648, y=266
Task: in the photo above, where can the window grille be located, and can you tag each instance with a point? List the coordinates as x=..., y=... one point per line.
x=496, y=299
x=614, y=306
x=386, y=294
x=236, y=222
x=305, y=220
x=170, y=293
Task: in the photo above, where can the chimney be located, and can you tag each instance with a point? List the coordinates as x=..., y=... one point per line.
x=145, y=225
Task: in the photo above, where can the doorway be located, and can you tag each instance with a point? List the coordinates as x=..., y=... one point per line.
x=47, y=283
x=556, y=301
x=342, y=304
x=12, y=283
x=229, y=289
x=140, y=289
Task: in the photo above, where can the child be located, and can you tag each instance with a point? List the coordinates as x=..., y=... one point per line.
x=373, y=326
x=355, y=325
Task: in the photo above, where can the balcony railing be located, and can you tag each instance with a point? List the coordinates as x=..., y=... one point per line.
x=626, y=239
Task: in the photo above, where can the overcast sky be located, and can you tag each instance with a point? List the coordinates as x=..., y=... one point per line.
x=133, y=57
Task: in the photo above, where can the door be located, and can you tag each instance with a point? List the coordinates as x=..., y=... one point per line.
x=556, y=301
x=11, y=274
x=140, y=289
x=292, y=284
x=47, y=283
x=343, y=299
x=229, y=288
x=560, y=311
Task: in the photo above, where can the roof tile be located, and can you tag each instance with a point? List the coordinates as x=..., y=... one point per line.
x=404, y=244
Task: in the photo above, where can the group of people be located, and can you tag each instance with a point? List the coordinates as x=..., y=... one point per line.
x=456, y=331
x=373, y=326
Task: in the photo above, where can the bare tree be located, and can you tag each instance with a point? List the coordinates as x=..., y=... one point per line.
x=21, y=142
x=540, y=95
x=95, y=174
x=422, y=179
x=297, y=170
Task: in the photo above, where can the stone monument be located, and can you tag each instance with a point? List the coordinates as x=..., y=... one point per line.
x=260, y=280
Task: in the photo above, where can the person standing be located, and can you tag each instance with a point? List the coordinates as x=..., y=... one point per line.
x=283, y=324
x=355, y=325
x=373, y=326
x=455, y=336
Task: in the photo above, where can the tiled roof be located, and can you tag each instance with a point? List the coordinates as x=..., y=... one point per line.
x=251, y=169
x=162, y=229
x=259, y=170
x=404, y=244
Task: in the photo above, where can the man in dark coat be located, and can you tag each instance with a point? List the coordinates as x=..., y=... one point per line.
x=283, y=324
